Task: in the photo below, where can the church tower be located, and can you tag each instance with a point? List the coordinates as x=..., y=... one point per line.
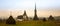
x=35, y=15
x=25, y=15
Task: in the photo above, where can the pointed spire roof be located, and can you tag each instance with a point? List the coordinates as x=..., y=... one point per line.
x=24, y=12
x=35, y=9
x=35, y=5
x=35, y=16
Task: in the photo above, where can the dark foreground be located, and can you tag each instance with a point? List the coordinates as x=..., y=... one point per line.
x=33, y=23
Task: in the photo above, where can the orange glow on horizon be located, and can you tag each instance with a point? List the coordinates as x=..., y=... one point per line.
x=30, y=13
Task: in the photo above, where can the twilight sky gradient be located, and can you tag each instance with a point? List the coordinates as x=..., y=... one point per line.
x=44, y=7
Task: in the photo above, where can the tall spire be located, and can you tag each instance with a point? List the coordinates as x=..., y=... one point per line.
x=35, y=16
x=35, y=8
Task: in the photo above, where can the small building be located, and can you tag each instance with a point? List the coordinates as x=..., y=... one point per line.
x=25, y=17
x=20, y=18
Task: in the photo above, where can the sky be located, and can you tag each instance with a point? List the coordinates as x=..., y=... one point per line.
x=44, y=7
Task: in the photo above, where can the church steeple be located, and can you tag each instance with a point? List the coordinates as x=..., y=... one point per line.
x=35, y=9
x=25, y=15
x=35, y=15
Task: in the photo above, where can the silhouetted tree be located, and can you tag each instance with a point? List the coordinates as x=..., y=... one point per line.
x=44, y=19
x=10, y=20
x=51, y=18
x=0, y=20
